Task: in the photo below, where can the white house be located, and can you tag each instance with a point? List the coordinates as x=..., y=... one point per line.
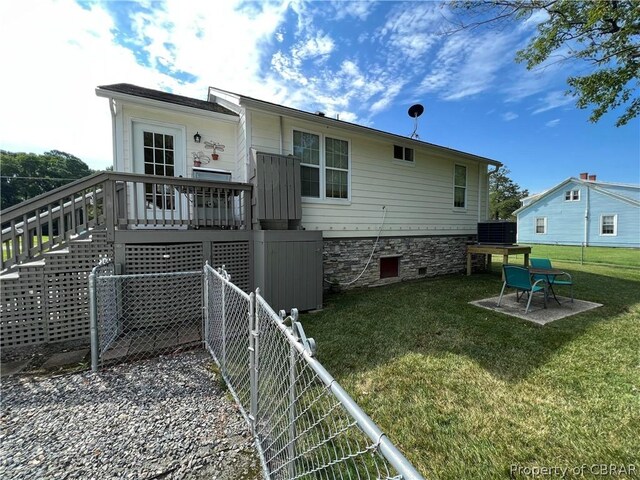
x=356, y=183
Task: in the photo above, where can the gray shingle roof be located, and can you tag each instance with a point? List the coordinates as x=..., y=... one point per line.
x=137, y=91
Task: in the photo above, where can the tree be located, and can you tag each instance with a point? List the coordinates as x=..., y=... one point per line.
x=604, y=33
x=26, y=175
x=504, y=195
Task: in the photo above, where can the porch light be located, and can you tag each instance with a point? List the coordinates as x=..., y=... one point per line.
x=197, y=137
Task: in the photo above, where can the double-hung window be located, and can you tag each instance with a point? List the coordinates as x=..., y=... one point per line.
x=324, y=165
x=541, y=225
x=460, y=186
x=609, y=225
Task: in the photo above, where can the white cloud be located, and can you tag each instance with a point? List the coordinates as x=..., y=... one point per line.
x=552, y=123
x=552, y=100
x=509, y=116
x=49, y=101
x=357, y=9
x=467, y=64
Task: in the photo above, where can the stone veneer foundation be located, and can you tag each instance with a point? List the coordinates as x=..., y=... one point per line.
x=429, y=256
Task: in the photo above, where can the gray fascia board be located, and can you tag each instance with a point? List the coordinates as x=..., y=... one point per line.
x=299, y=114
x=165, y=105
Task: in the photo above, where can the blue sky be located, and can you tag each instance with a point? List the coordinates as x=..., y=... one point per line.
x=364, y=61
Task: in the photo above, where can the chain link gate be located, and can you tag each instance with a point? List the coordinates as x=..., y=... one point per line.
x=305, y=424
x=143, y=315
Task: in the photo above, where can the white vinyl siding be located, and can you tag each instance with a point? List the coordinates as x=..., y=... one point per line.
x=609, y=225
x=418, y=201
x=224, y=132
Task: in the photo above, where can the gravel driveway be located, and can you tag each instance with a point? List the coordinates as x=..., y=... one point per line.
x=168, y=417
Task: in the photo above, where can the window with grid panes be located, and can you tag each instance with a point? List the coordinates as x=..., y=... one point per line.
x=337, y=168
x=608, y=224
x=158, y=160
x=324, y=165
x=460, y=186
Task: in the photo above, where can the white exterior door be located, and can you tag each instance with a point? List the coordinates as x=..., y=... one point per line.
x=158, y=150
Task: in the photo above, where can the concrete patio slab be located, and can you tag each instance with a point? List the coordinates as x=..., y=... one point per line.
x=13, y=368
x=64, y=359
x=537, y=313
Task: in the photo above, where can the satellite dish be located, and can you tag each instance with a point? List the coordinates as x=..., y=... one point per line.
x=414, y=112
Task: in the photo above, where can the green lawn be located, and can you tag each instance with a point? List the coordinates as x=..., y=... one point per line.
x=466, y=393
x=629, y=257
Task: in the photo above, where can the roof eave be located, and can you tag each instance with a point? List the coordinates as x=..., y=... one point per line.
x=105, y=93
x=302, y=115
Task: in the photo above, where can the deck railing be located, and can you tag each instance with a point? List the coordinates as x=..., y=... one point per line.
x=119, y=201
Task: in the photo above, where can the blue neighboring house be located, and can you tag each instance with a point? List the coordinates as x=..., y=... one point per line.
x=582, y=211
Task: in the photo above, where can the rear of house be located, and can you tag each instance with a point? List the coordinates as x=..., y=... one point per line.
x=289, y=201
x=582, y=211
x=420, y=202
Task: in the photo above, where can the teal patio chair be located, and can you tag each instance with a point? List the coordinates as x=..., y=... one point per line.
x=564, y=281
x=520, y=279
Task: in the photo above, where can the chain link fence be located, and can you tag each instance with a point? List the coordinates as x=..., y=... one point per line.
x=305, y=424
x=143, y=315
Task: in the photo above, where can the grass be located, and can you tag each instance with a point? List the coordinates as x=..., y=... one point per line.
x=6, y=250
x=466, y=393
x=589, y=255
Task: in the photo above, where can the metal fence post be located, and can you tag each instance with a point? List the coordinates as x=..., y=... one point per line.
x=292, y=402
x=205, y=316
x=253, y=362
x=93, y=319
x=223, y=360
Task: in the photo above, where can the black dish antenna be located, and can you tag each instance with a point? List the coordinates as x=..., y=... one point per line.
x=414, y=112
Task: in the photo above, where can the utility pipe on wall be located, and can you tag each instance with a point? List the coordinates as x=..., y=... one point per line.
x=489, y=173
x=281, y=135
x=586, y=217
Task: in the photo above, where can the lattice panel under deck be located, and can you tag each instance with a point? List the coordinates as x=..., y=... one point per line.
x=22, y=312
x=235, y=256
x=169, y=258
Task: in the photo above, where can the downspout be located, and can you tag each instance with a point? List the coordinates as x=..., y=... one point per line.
x=487, y=208
x=114, y=142
x=586, y=218
x=281, y=135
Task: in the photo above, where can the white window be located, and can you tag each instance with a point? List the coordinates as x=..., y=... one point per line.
x=572, y=195
x=324, y=165
x=609, y=225
x=541, y=225
x=403, y=153
x=460, y=186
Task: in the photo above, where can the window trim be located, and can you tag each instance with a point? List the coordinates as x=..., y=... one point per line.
x=571, y=196
x=466, y=187
x=403, y=161
x=535, y=225
x=323, y=168
x=615, y=225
